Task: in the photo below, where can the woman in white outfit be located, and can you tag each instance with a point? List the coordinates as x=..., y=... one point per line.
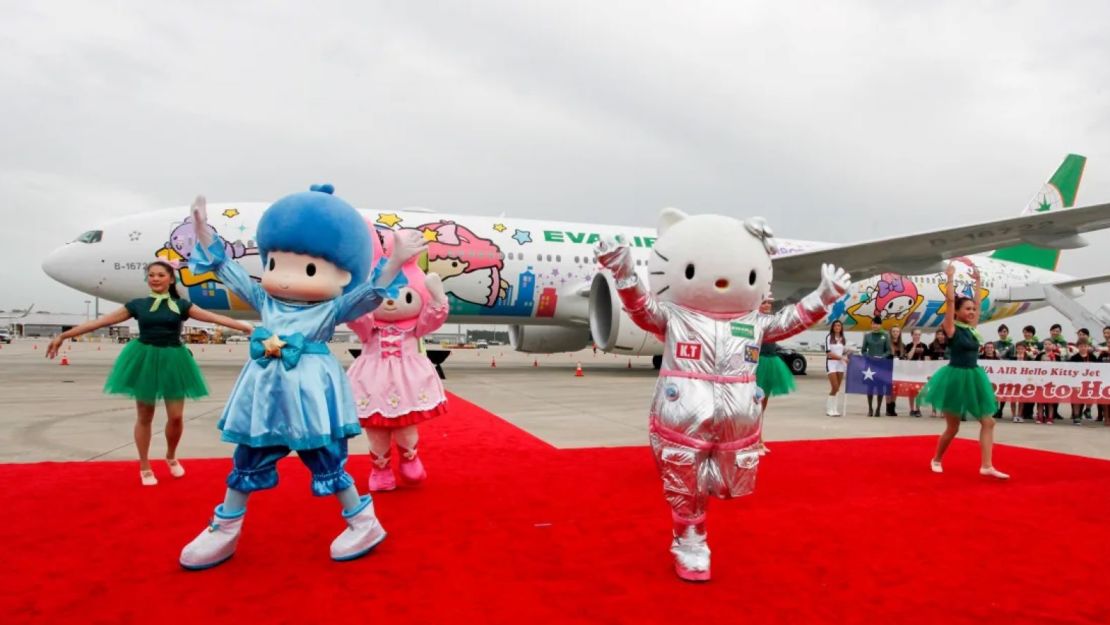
x=836, y=363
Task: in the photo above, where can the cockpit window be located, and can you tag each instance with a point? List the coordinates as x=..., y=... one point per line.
x=92, y=236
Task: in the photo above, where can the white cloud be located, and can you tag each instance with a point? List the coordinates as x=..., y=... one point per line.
x=837, y=121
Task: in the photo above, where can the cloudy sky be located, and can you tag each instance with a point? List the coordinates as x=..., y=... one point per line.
x=836, y=121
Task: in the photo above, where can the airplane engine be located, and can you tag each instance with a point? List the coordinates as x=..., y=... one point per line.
x=548, y=339
x=611, y=328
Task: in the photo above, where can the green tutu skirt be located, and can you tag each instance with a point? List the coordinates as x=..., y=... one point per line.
x=960, y=391
x=148, y=373
x=773, y=376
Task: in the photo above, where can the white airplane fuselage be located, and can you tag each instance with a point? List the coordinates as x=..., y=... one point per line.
x=496, y=270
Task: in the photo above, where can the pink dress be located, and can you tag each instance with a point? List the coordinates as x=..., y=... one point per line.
x=394, y=383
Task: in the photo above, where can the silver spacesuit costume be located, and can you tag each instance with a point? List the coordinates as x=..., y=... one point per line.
x=705, y=414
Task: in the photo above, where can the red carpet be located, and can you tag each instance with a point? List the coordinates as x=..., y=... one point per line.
x=510, y=530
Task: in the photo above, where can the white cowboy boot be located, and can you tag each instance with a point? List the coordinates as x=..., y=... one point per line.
x=363, y=533
x=215, y=544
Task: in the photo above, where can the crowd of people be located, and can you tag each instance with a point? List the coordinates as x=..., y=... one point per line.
x=880, y=343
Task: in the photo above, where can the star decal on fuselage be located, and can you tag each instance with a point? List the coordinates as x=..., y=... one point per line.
x=430, y=235
x=522, y=236
x=231, y=213
x=389, y=219
x=500, y=227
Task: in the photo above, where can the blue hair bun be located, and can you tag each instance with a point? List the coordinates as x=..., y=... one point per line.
x=323, y=188
x=317, y=223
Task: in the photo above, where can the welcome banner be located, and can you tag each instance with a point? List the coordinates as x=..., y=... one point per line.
x=1014, y=380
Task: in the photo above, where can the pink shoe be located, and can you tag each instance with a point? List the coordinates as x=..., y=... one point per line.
x=381, y=474
x=411, y=469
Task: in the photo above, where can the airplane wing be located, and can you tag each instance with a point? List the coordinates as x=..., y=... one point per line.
x=926, y=252
x=1082, y=282
x=26, y=311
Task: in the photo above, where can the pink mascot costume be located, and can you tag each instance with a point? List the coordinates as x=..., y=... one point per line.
x=395, y=385
x=709, y=275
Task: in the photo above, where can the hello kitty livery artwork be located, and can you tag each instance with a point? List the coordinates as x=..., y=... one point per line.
x=896, y=297
x=395, y=386
x=708, y=276
x=293, y=395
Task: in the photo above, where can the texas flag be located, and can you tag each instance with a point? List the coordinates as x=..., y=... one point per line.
x=879, y=376
x=869, y=375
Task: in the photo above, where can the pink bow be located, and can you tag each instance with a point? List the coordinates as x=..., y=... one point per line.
x=396, y=354
x=392, y=331
x=448, y=234
x=391, y=344
x=894, y=286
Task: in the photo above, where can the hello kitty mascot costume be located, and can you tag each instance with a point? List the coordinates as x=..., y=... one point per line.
x=709, y=274
x=292, y=395
x=395, y=385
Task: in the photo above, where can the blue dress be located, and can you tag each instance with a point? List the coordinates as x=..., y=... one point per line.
x=303, y=403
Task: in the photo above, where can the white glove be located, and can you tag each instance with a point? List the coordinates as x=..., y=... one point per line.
x=434, y=284
x=834, y=283
x=406, y=244
x=199, y=211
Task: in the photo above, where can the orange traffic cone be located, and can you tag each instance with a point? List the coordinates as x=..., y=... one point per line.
x=493, y=363
x=629, y=363
x=578, y=371
x=65, y=362
x=36, y=345
x=536, y=363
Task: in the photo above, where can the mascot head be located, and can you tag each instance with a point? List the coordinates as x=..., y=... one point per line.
x=710, y=263
x=314, y=246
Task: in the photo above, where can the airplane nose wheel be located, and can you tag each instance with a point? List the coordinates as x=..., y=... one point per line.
x=657, y=361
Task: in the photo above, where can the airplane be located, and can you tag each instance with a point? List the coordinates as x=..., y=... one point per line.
x=18, y=313
x=541, y=278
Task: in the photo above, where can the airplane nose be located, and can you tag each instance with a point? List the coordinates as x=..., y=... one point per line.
x=59, y=266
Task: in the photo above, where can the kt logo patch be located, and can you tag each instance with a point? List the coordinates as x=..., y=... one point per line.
x=688, y=351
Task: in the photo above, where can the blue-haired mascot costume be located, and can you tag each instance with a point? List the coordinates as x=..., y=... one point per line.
x=293, y=395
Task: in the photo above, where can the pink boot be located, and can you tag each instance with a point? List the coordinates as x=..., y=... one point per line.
x=411, y=469
x=381, y=474
x=690, y=549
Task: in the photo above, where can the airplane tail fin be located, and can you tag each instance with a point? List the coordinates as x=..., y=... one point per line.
x=1059, y=192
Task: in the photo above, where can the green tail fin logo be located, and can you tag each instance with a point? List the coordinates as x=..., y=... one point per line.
x=1059, y=192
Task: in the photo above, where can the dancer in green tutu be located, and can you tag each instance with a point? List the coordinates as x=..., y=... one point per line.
x=771, y=374
x=156, y=366
x=961, y=388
